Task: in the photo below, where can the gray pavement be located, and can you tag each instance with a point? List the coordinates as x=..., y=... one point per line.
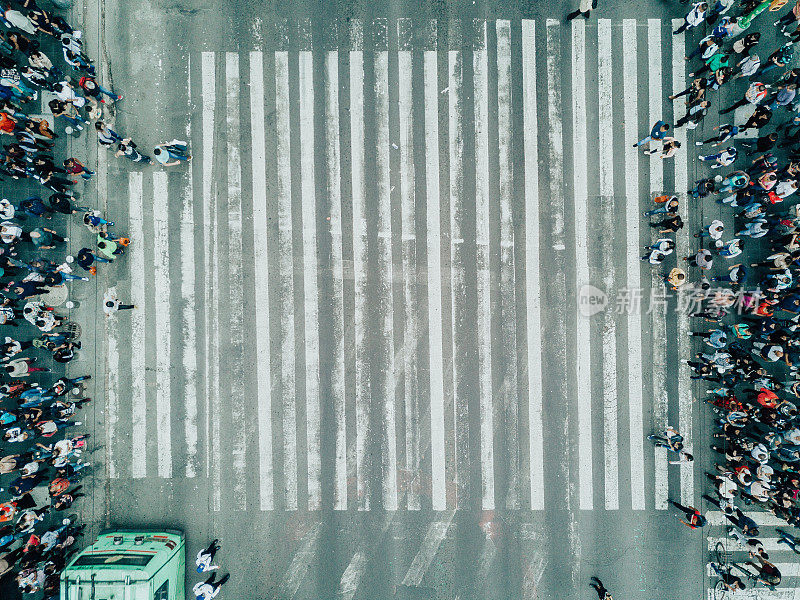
x=462, y=171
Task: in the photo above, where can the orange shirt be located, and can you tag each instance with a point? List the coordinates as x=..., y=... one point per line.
x=6, y=123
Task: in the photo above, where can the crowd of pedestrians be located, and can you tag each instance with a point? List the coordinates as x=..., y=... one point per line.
x=42, y=453
x=744, y=313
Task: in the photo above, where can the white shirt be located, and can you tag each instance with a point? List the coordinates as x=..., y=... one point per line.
x=704, y=260
x=696, y=16
x=10, y=232
x=760, y=453
x=67, y=94
x=749, y=65
x=726, y=488
x=786, y=188
x=204, y=560
x=205, y=591
x=6, y=209
x=109, y=297
x=726, y=157
x=716, y=229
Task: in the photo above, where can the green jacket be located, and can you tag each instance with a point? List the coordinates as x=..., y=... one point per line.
x=717, y=61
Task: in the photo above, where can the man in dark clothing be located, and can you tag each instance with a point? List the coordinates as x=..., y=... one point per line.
x=670, y=224
x=26, y=289
x=743, y=522
x=760, y=117
x=762, y=144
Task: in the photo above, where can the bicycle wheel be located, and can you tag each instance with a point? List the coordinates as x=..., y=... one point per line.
x=720, y=590
x=721, y=554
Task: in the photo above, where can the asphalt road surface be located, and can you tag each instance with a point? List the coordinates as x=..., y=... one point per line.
x=361, y=354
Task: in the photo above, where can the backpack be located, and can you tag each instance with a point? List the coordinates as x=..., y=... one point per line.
x=58, y=486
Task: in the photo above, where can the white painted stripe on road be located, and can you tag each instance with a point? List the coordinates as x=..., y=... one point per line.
x=655, y=97
x=163, y=329
x=785, y=593
x=287, y=279
x=354, y=573
x=659, y=315
x=480, y=67
x=630, y=92
x=189, y=340
x=337, y=267
x=765, y=519
x=606, y=142
x=787, y=570
x=309, y=203
x=508, y=286
x=731, y=545
x=434, y=246
x=351, y=578
x=261, y=235
x=301, y=561
x=409, y=252
x=112, y=389
x=532, y=283
x=682, y=249
x=138, y=365
x=791, y=593
x=436, y=533
x=386, y=270
x=360, y=275
x=235, y=278
x=456, y=151
x=556, y=138
x=605, y=92
x=660, y=401
x=208, y=77
x=583, y=330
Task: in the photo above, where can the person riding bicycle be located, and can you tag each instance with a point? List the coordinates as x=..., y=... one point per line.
x=768, y=573
x=731, y=581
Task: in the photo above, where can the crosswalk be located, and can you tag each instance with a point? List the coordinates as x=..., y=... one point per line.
x=780, y=555
x=363, y=293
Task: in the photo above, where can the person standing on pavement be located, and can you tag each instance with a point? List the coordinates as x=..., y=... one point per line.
x=584, y=9
x=670, y=147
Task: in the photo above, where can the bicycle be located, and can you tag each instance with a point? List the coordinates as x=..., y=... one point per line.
x=753, y=579
x=723, y=557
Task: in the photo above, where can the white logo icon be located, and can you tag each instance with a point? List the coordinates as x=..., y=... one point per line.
x=591, y=300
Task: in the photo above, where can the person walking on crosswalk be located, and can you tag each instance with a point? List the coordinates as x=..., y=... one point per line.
x=657, y=133
x=696, y=519
x=584, y=8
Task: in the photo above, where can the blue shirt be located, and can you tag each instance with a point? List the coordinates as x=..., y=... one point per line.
x=656, y=132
